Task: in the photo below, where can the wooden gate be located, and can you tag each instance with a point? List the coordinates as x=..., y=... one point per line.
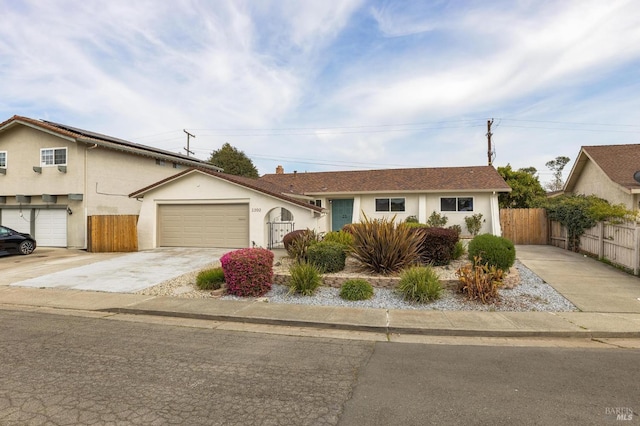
x=116, y=233
x=525, y=226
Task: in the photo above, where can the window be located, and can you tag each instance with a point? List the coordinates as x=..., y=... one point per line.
x=53, y=157
x=390, y=204
x=317, y=203
x=285, y=215
x=3, y=159
x=160, y=162
x=177, y=166
x=456, y=204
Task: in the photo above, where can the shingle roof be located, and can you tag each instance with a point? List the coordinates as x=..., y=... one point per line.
x=255, y=184
x=90, y=137
x=441, y=179
x=618, y=162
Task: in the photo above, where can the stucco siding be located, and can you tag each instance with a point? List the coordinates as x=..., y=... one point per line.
x=593, y=181
x=198, y=188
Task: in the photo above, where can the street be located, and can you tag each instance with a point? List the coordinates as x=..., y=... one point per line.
x=59, y=369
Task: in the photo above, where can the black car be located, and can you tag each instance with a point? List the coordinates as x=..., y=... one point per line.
x=12, y=241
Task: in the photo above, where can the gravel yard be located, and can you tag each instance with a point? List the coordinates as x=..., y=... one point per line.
x=528, y=293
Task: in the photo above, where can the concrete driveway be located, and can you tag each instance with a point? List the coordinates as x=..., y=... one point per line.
x=109, y=272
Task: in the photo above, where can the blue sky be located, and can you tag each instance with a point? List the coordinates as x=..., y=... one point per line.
x=332, y=85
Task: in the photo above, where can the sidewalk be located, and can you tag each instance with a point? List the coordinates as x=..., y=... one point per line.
x=608, y=298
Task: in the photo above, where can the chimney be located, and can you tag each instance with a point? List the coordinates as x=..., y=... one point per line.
x=279, y=170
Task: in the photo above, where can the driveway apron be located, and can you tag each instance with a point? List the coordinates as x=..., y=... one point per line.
x=130, y=272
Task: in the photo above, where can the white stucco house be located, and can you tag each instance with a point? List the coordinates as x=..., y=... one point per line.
x=204, y=208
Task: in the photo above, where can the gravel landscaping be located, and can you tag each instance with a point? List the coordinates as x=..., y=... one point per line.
x=530, y=294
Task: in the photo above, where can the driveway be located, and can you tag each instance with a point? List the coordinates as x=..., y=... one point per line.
x=112, y=272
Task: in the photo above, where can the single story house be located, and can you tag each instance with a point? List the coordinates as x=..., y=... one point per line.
x=53, y=177
x=607, y=171
x=205, y=208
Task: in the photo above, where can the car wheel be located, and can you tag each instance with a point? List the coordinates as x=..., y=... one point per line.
x=26, y=247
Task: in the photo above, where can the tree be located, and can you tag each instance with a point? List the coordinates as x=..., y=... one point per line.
x=526, y=191
x=556, y=166
x=233, y=161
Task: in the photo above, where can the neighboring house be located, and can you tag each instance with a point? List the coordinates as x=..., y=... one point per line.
x=455, y=192
x=607, y=171
x=204, y=208
x=53, y=177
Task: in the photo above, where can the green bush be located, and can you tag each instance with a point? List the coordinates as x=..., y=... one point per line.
x=494, y=251
x=384, y=247
x=437, y=220
x=298, y=242
x=458, y=251
x=474, y=223
x=356, y=289
x=327, y=256
x=305, y=279
x=411, y=219
x=480, y=281
x=419, y=284
x=210, y=279
x=342, y=237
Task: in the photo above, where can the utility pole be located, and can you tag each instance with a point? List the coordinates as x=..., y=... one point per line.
x=187, y=148
x=489, y=134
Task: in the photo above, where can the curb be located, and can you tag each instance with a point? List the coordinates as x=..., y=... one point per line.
x=588, y=334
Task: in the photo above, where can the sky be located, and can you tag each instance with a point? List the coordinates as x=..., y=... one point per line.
x=321, y=85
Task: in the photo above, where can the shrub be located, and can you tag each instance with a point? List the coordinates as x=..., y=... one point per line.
x=298, y=243
x=458, y=251
x=495, y=251
x=480, y=281
x=356, y=289
x=327, y=256
x=437, y=245
x=456, y=228
x=474, y=223
x=305, y=278
x=437, y=220
x=342, y=237
x=411, y=219
x=383, y=247
x=210, y=279
x=419, y=284
x=248, y=272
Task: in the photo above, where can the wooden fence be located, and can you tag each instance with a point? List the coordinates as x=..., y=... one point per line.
x=112, y=233
x=525, y=226
x=616, y=243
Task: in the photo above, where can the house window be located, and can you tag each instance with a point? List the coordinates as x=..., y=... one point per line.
x=456, y=204
x=390, y=204
x=285, y=215
x=160, y=162
x=3, y=159
x=177, y=166
x=317, y=203
x=53, y=157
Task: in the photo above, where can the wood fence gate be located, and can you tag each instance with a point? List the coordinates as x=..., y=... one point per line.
x=117, y=233
x=525, y=226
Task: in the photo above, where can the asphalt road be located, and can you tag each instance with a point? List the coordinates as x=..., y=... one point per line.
x=68, y=370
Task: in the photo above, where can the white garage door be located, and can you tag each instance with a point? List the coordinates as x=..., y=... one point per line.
x=51, y=228
x=20, y=220
x=203, y=225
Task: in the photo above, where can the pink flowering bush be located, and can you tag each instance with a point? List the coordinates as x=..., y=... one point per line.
x=248, y=272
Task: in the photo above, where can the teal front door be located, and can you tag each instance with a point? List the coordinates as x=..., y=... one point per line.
x=341, y=213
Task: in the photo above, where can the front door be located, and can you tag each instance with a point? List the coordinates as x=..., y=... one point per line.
x=341, y=213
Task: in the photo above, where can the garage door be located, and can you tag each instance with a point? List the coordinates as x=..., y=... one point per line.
x=203, y=225
x=17, y=219
x=51, y=228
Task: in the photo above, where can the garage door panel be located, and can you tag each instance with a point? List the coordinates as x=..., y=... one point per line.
x=51, y=228
x=203, y=225
x=16, y=219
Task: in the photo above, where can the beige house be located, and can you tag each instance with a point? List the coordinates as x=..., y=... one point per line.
x=607, y=171
x=455, y=192
x=204, y=208
x=53, y=177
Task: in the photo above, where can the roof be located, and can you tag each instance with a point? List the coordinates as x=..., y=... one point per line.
x=441, y=179
x=105, y=141
x=254, y=184
x=618, y=162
